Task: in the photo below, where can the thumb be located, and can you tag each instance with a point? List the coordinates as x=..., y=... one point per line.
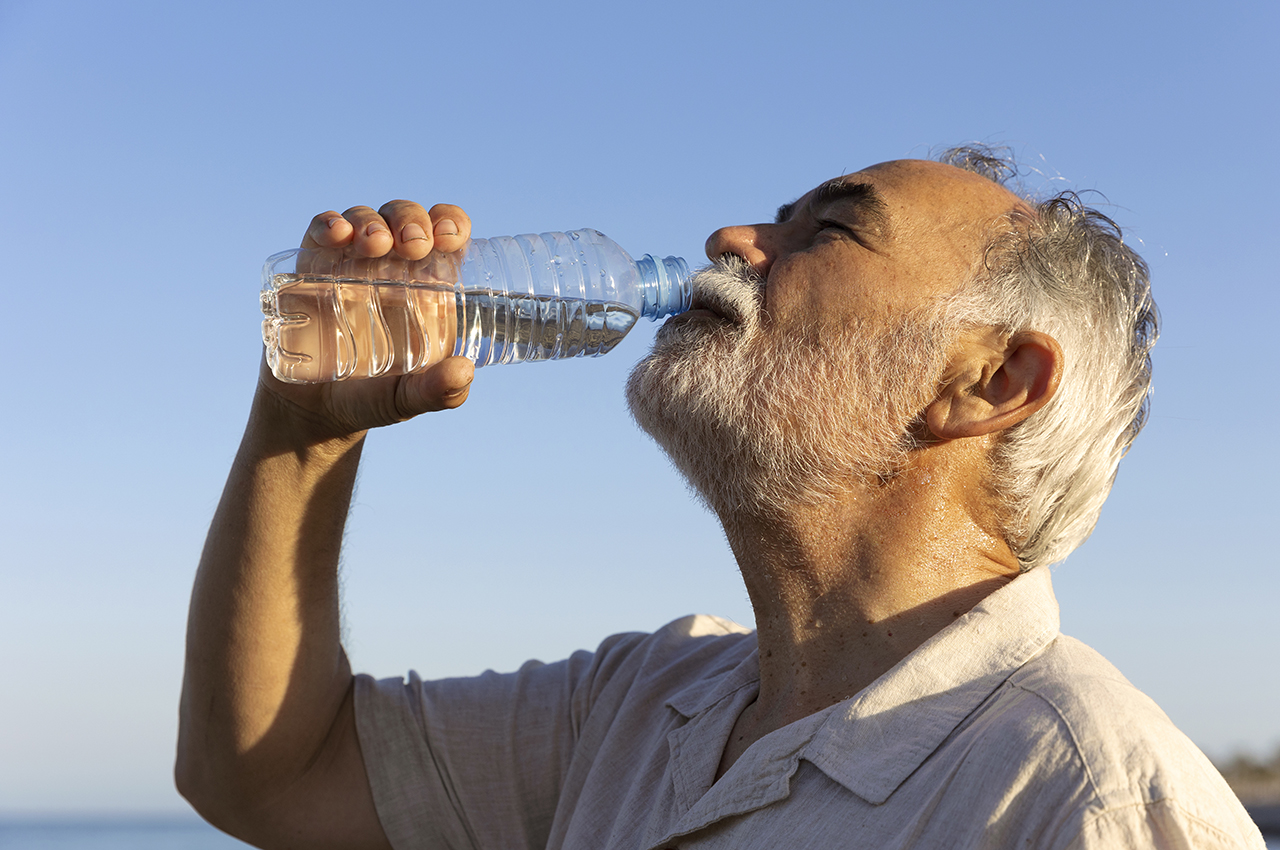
x=442, y=387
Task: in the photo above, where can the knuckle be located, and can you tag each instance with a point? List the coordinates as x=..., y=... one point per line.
x=399, y=206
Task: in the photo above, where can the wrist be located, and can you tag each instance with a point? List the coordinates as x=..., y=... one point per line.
x=284, y=425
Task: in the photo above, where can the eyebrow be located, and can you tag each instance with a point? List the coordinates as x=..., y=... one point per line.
x=870, y=205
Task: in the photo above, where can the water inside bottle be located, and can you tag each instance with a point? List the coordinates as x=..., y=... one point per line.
x=321, y=328
x=503, y=328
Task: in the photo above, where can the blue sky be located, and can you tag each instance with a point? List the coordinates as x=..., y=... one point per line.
x=155, y=153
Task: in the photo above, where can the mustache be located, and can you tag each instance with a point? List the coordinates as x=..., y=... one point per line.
x=729, y=287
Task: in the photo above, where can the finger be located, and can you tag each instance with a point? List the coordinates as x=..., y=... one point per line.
x=372, y=235
x=442, y=387
x=328, y=230
x=450, y=226
x=410, y=227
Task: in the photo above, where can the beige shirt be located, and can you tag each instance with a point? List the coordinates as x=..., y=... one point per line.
x=998, y=732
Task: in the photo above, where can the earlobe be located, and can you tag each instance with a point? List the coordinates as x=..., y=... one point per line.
x=998, y=387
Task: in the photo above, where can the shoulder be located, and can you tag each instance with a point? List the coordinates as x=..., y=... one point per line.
x=1122, y=738
x=699, y=635
x=686, y=650
x=682, y=634
x=1132, y=767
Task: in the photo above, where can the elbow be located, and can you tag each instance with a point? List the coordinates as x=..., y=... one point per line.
x=213, y=800
x=185, y=778
x=192, y=782
x=197, y=780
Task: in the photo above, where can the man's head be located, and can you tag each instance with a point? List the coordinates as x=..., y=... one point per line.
x=877, y=316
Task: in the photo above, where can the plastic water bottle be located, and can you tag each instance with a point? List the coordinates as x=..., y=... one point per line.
x=542, y=296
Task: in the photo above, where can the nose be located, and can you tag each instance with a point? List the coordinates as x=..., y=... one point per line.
x=751, y=242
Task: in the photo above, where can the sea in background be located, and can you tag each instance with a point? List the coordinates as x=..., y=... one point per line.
x=156, y=833
x=169, y=832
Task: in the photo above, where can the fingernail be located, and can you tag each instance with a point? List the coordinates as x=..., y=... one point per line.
x=333, y=222
x=458, y=392
x=375, y=227
x=412, y=233
x=445, y=227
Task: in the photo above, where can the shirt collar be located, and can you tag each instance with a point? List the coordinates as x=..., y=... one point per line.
x=873, y=742
x=703, y=693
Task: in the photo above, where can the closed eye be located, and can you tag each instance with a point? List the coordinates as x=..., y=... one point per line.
x=843, y=231
x=827, y=224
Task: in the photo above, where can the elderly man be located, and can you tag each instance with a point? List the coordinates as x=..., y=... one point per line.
x=903, y=399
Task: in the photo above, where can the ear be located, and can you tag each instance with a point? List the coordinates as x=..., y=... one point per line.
x=995, y=384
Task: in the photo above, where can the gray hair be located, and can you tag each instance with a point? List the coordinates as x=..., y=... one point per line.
x=1067, y=272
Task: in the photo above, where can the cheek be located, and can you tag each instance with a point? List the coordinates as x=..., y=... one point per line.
x=804, y=287
x=820, y=299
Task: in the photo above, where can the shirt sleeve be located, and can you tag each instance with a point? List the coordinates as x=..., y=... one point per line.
x=478, y=762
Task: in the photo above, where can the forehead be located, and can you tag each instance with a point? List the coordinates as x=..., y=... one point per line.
x=924, y=195
x=931, y=228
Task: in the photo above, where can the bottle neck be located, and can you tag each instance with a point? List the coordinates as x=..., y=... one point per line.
x=666, y=286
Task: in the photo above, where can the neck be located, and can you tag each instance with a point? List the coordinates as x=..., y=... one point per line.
x=846, y=589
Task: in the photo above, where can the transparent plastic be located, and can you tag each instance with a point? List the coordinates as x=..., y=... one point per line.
x=508, y=299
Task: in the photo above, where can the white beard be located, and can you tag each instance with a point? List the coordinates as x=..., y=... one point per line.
x=758, y=420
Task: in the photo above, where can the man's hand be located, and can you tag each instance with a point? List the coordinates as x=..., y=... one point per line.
x=398, y=229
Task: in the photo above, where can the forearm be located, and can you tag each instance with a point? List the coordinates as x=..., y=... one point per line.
x=265, y=672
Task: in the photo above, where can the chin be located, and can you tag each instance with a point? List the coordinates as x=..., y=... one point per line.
x=687, y=397
x=737, y=421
